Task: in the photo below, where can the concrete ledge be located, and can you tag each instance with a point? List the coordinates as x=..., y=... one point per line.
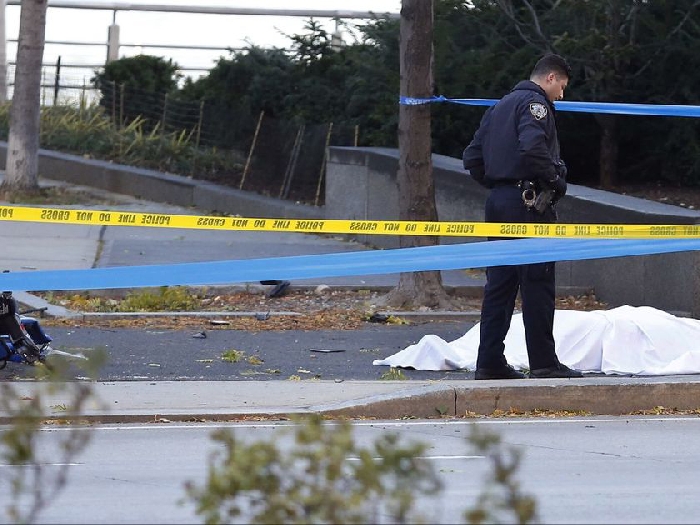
x=606, y=395
x=600, y=396
x=143, y=401
x=361, y=184
x=597, y=396
x=214, y=197
x=137, y=315
x=421, y=402
x=167, y=188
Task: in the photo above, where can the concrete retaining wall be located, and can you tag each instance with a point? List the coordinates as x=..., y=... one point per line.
x=361, y=184
x=164, y=187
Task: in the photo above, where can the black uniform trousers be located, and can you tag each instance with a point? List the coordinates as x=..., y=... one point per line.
x=536, y=285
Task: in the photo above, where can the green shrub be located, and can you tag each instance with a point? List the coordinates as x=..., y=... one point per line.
x=164, y=298
x=134, y=84
x=34, y=477
x=315, y=482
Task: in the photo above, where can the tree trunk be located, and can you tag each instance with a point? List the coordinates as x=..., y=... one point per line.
x=3, y=53
x=23, y=144
x=415, y=176
x=608, y=150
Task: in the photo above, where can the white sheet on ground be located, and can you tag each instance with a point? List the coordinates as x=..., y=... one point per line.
x=625, y=340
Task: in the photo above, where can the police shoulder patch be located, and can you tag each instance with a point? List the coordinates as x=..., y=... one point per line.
x=538, y=110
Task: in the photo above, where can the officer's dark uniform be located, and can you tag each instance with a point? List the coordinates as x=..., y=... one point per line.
x=517, y=141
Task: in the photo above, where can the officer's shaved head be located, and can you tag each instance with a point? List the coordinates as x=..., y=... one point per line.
x=551, y=64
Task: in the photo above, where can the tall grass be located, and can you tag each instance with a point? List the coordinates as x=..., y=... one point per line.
x=88, y=131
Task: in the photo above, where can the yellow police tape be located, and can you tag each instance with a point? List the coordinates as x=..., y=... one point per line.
x=447, y=228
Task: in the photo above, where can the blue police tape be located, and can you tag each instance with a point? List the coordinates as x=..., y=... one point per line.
x=581, y=107
x=369, y=262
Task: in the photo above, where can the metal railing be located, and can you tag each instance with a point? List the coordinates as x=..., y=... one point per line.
x=52, y=83
x=214, y=10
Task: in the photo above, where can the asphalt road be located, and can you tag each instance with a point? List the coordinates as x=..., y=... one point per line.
x=164, y=355
x=578, y=470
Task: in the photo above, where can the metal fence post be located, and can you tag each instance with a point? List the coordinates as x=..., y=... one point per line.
x=199, y=122
x=165, y=113
x=121, y=105
x=252, y=148
x=114, y=101
x=57, y=80
x=323, y=163
x=291, y=166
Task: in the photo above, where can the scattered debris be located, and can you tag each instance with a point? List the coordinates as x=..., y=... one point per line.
x=280, y=287
x=386, y=319
x=232, y=356
x=55, y=351
x=299, y=309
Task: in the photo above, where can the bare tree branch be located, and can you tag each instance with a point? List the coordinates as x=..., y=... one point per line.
x=508, y=9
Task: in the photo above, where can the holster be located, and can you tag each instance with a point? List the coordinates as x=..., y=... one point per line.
x=535, y=197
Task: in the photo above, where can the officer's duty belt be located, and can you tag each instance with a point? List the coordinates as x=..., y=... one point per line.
x=510, y=182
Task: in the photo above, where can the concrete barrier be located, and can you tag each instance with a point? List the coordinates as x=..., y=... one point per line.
x=601, y=395
x=361, y=184
x=164, y=187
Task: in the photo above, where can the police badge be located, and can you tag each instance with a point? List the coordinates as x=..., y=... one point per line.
x=538, y=110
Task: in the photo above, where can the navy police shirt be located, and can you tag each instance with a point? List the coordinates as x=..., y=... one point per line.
x=516, y=140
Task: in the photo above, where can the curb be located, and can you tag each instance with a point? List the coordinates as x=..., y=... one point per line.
x=612, y=396
x=590, y=396
x=416, y=317
x=33, y=302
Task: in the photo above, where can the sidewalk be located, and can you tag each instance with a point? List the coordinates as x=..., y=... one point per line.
x=45, y=246
x=195, y=401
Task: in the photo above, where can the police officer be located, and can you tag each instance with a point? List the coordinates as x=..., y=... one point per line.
x=515, y=153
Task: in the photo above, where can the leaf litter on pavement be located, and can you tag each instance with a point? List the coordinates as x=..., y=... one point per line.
x=215, y=309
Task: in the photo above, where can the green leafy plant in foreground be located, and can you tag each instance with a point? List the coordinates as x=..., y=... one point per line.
x=28, y=483
x=501, y=496
x=327, y=478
